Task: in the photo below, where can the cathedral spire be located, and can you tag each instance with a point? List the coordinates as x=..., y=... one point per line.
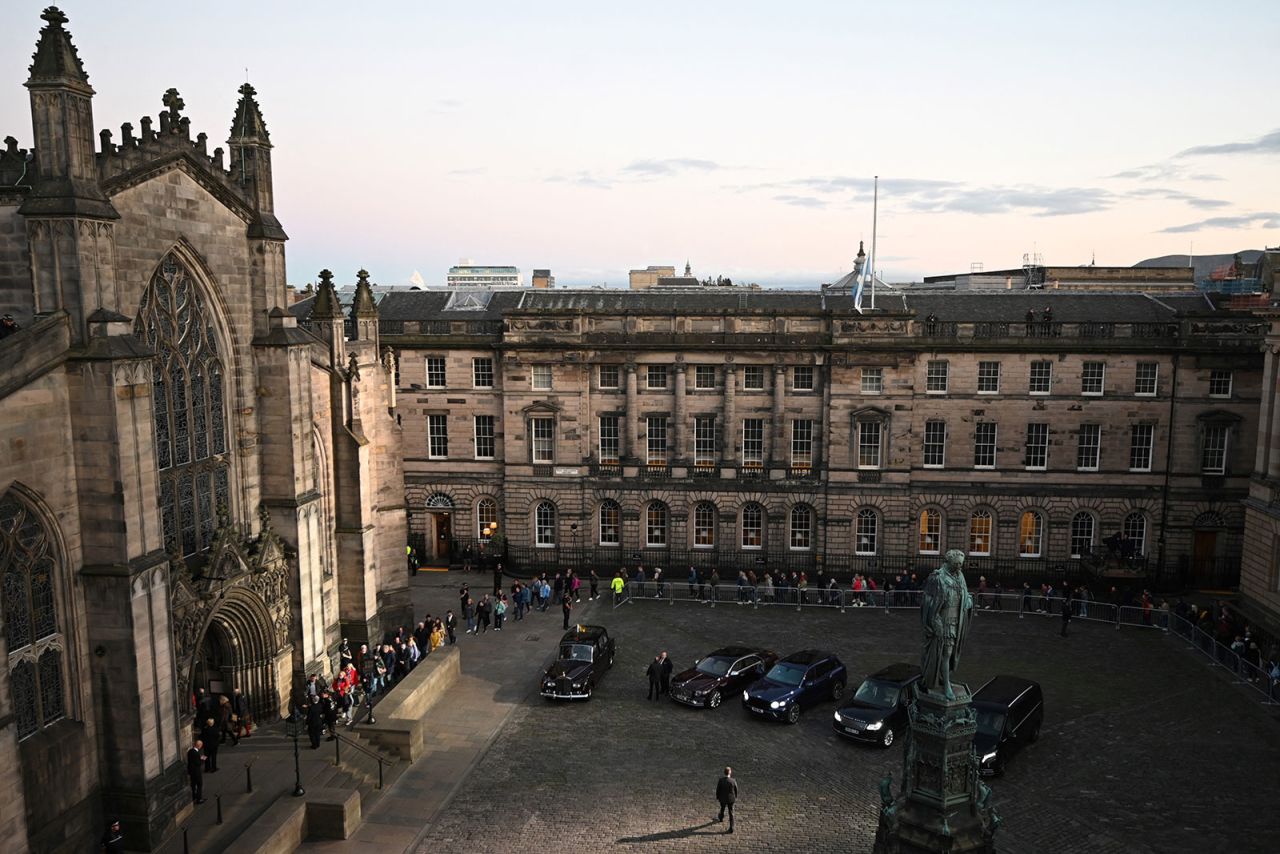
x=248, y=127
x=327, y=306
x=56, y=61
x=363, y=305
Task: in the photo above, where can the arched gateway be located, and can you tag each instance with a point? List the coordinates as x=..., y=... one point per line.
x=231, y=622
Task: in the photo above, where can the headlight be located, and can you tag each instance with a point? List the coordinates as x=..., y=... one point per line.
x=577, y=684
x=745, y=696
x=987, y=757
x=839, y=719
x=777, y=704
x=875, y=726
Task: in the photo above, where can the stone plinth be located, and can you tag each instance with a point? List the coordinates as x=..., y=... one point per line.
x=941, y=806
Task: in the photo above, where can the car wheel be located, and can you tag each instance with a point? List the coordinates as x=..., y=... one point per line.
x=713, y=702
x=886, y=740
x=837, y=690
x=793, y=714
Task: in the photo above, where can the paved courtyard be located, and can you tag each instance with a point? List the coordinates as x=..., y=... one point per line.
x=1144, y=748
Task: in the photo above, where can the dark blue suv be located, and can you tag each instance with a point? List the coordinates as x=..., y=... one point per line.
x=794, y=683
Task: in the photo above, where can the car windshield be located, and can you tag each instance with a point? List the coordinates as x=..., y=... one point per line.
x=575, y=652
x=787, y=674
x=990, y=722
x=715, y=666
x=878, y=694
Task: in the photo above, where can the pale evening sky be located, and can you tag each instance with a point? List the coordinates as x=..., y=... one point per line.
x=591, y=139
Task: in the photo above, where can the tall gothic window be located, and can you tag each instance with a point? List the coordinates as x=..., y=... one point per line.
x=27, y=564
x=190, y=415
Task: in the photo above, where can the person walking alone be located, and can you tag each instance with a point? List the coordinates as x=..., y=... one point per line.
x=655, y=678
x=727, y=795
x=1068, y=607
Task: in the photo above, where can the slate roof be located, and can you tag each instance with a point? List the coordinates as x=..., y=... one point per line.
x=1068, y=306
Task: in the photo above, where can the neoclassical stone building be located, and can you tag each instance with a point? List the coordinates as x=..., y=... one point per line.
x=194, y=492
x=783, y=429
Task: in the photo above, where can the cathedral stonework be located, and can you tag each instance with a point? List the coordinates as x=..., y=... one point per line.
x=194, y=491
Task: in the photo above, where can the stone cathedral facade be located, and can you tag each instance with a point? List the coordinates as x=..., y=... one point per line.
x=194, y=492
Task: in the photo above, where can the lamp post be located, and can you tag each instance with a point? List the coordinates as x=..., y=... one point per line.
x=489, y=530
x=573, y=536
x=292, y=726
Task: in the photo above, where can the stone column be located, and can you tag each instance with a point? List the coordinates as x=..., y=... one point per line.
x=678, y=416
x=778, y=436
x=730, y=421
x=633, y=412
x=1267, y=461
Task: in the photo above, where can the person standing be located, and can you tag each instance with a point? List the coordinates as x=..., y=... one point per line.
x=1068, y=607
x=209, y=734
x=499, y=612
x=113, y=839
x=727, y=795
x=595, y=585
x=468, y=614
x=451, y=626
x=315, y=722
x=557, y=588
x=566, y=607
x=617, y=586
x=575, y=586
x=195, y=771
x=664, y=674
x=655, y=678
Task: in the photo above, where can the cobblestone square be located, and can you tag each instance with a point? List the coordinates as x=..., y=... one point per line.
x=1144, y=748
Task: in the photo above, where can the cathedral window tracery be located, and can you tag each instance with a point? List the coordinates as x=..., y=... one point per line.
x=190, y=416
x=27, y=566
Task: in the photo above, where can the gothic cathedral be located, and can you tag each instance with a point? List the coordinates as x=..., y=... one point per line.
x=194, y=491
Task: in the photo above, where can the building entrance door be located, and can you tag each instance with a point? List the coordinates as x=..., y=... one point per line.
x=1204, y=555
x=215, y=658
x=441, y=537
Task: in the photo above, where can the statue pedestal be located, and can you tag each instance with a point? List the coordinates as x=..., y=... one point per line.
x=941, y=806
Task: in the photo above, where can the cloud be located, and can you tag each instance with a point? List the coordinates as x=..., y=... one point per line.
x=1177, y=196
x=445, y=105
x=801, y=201
x=650, y=168
x=1033, y=200
x=1268, y=144
x=1261, y=219
x=471, y=170
x=1165, y=171
x=581, y=179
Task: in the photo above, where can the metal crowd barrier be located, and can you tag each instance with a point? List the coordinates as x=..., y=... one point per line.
x=1022, y=603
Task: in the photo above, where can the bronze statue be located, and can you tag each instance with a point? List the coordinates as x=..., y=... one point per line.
x=945, y=611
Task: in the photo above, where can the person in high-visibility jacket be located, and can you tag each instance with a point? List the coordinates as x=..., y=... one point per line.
x=617, y=586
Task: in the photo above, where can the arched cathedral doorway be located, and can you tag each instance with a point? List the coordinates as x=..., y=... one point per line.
x=239, y=649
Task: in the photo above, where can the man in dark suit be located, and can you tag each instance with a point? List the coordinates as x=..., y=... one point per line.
x=655, y=678
x=195, y=770
x=209, y=735
x=726, y=794
x=664, y=673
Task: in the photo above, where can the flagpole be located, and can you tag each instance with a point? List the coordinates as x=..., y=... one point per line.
x=875, y=205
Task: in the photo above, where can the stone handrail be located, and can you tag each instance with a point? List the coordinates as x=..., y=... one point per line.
x=400, y=727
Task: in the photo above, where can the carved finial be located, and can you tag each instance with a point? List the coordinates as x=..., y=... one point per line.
x=326, y=278
x=248, y=90
x=264, y=516
x=147, y=133
x=54, y=16
x=174, y=102
x=362, y=277
x=126, y=135
x=202, y=140
x=104, y=136
x=56, y=59
x=10, y=145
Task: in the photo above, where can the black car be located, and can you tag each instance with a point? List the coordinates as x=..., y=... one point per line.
x=878, y=710
x=794, y=683
x=585, y=653
x=1010, y=711
x=721, y=674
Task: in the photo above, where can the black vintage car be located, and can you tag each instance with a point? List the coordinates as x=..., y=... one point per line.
x=585, y=653
x=878, y=710
x=721, y=674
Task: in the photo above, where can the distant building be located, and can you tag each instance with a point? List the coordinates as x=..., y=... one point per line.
x=1033, y=276
x=649, y=276
x=543, y=279
x=468, y=275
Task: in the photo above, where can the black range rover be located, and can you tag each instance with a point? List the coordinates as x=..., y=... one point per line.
x=1010, y=711
x=878, y=710
x=584, y=654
